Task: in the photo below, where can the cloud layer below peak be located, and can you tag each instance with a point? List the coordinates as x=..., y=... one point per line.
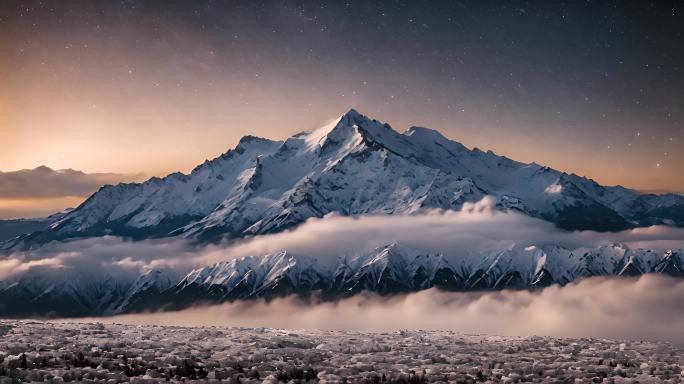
x=650, y=307
x=475, y=229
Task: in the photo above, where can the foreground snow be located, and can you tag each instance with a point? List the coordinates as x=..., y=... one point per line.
x=57, y=352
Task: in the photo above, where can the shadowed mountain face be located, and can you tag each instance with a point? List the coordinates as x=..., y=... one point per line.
x=387, y=270
x=9, y=229
x=353, y=166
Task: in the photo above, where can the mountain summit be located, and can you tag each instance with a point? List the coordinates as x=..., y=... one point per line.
x=355, y=165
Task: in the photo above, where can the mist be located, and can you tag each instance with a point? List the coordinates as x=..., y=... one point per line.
x=477, y=227
x=650, y=307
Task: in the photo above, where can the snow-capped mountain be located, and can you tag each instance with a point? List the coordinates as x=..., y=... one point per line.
x=386, y=270
x=352, y=166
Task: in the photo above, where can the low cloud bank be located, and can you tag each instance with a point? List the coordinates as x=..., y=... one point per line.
x=43, y=191
x=476, y=228
x=113, y=255
x=45, y=182
x=650, y=307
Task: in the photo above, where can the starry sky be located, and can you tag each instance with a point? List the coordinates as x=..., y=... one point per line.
x=595, y=88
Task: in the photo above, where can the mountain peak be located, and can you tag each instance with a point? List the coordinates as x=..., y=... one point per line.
x=426, y=136
x=353, y=113
x=393, y=251
x=251, y=138
x=423, y=131
x=353, y=118
x=350, y=128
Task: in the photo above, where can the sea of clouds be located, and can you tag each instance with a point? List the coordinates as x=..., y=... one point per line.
x=648, y=307
x=474, y=229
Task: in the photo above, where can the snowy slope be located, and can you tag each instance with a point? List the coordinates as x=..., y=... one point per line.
x=145, y=289
x=352, y=166
x=160, y=205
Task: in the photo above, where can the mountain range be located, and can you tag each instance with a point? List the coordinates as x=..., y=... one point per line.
x=386, y=270
x=353, y=166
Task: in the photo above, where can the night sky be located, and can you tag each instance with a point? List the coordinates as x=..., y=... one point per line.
x=595, y=88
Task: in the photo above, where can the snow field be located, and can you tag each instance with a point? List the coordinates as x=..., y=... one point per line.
x=56, y=352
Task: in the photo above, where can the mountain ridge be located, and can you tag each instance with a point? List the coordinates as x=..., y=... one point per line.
x=385, y=270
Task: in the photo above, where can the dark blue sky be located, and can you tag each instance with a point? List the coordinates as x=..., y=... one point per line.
x=590, y=87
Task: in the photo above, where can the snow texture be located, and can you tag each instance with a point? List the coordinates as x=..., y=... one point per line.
x=95, y=352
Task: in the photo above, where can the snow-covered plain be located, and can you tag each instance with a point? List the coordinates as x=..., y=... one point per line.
x=96, y=352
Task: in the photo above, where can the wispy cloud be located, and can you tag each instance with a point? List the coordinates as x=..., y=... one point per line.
x=42, y=190
x=45, y=182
